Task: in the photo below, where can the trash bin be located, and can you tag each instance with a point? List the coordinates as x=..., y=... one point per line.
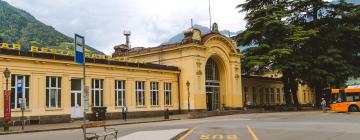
x=166, y=114
x=98, y=113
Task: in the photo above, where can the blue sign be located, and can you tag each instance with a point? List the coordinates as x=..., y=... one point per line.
x=79, y=49
x=19, y=86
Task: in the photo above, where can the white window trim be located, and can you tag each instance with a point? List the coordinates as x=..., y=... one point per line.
x=120, y=90
x=140, y=93
x=167, y=89
x=100, y=89
x=154, y=88
x=57, y=88
x=24, y=91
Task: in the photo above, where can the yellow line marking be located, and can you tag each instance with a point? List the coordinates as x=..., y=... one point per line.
x=187, y=133
x=252, y=133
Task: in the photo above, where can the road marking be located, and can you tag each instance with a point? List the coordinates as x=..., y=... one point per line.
x=218, y=136
x=252, y=133
x=187, y=133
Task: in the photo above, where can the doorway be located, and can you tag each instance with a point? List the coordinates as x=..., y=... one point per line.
x=212, y=84
x=76, y=98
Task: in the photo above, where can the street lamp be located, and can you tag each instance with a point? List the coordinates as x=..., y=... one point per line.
x=188, y=85
x=7, y=75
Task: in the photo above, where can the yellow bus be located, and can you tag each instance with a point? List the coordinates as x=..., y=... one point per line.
x=347, y=100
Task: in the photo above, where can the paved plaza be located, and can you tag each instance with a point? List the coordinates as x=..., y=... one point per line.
x=311, y=125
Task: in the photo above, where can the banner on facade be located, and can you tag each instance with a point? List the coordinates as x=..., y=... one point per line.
x=79, y=49
x=7, y=110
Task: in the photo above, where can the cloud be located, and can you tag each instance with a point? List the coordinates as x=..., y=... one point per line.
x=150, y=21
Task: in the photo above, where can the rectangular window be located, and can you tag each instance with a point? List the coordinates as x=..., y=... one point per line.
x=97, y=92
x=140, y=90
x=167, y=93
x=267, y=96
x=19, y=90
x=53, y=92
x=254, y=95
x=261, y=92
x=278, y=95
x=119, y=93
x=154, y=93
x=284, y=98
x=246, y=93
x=272, y=95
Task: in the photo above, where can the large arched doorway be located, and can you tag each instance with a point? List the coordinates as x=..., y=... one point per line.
x=212, y=84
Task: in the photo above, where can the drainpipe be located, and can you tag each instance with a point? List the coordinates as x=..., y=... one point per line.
x=178, y=79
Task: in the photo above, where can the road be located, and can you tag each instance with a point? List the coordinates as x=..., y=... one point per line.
x=258, y=126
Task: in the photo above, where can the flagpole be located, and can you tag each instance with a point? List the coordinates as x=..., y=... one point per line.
x=84, y=92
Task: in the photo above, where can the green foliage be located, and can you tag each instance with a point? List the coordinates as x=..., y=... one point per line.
x=311, y=41
x=18, y=26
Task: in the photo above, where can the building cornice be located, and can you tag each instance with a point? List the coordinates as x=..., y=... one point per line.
x=43, y=58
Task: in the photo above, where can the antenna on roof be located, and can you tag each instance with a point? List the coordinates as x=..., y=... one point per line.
x=210, y=14
x=192, y=23
x=127, y=35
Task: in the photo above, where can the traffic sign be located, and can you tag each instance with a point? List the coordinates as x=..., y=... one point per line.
x=79, y=49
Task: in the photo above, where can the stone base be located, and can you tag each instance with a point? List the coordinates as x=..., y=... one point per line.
x=139, y=114
x=46, y=119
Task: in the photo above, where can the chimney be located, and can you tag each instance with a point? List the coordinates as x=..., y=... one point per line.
x=127, y=35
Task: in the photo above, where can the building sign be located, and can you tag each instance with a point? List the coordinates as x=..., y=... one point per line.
x=79, y=49
x=87, y=54
x=7, y=111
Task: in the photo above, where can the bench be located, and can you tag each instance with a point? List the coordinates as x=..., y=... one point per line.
x=96, y=135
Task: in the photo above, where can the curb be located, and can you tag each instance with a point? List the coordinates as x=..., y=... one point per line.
x=78, y=127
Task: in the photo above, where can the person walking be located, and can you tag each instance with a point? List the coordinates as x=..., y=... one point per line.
x=124, y=112
x=323, y=105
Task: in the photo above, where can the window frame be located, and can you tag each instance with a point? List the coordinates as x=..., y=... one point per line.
x=25, y=89
x=168, y=91
x=100, y=90
x=140, y=93
x=254, y=98
x=154, y=93
x=120, y=90
x=48, y=93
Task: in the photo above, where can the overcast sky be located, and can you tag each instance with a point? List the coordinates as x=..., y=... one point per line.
x=150, y=21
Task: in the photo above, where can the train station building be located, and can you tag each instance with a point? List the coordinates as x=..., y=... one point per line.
x=200, y=73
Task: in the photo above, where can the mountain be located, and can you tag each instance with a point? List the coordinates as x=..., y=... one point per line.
x=204, y=30
x=349, y=1
x=18, y=26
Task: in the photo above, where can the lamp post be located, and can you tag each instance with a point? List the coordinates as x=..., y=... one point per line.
x=6, y=97
x=188, y=89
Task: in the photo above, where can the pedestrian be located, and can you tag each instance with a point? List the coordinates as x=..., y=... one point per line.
x=323, y=104
x=124, y=112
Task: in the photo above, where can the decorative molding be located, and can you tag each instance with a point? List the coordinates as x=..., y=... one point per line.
x=237, y=76
x=199, y=72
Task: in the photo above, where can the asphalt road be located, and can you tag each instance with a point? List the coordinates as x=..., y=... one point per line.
x=257, y=126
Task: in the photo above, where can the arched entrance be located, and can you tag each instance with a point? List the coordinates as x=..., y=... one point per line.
x=212, y=84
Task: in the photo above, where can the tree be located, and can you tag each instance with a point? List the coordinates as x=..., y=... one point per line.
x=308, y=41
x=277, y=42
x=332, y=53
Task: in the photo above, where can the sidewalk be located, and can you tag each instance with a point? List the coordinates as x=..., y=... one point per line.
x=77, y=124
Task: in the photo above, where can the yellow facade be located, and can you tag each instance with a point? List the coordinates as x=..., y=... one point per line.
x=268, y=90
x=190, y=57
x=209, y=63
x=176, y=64
x=38, y=69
